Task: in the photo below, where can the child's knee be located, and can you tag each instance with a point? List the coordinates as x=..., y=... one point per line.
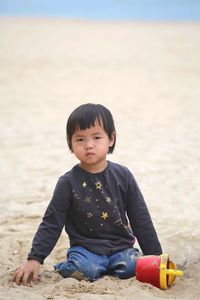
x=83, y=264
x=79, y=270
x=88, y=270
x=123, y=264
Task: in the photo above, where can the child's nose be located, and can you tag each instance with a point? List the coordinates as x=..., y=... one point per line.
x=88, y=144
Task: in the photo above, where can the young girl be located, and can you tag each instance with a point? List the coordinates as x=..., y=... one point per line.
x=100, y=205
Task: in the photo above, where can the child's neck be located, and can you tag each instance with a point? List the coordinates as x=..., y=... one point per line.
x=94, y=168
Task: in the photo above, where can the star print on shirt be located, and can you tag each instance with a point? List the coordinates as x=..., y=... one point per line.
x=76, y=195
x=118, y=222
x=89, y=215
x=104, y=215
x=108, y=199
x=84, y=184
x=98, y=185
x=87, y=199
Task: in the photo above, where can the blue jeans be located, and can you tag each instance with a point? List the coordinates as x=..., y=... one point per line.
x=83, y=264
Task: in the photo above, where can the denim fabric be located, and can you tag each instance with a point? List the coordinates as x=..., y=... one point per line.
x=83, y=264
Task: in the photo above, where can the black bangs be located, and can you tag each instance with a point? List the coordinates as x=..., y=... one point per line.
x=86, y=119
x=85, y=116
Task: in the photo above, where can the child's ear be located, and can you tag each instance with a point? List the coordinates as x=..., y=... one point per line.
x=70, y=146
x=112, y=139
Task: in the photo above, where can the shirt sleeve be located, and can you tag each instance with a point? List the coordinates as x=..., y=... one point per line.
x=52, y=223
x=140, y=220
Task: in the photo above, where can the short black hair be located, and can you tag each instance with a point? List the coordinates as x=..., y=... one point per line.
x=85, y=116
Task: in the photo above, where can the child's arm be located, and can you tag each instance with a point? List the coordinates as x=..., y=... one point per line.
x=46, y=235
x=27, y=272
x=53, y=221
x=141, y=222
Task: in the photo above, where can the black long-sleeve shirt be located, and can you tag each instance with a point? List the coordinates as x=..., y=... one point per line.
x=102, y=212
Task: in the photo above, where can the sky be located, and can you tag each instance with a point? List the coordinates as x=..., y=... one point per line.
x=167, y=10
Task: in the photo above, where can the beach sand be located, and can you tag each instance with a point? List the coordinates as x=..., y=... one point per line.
x=148, y=75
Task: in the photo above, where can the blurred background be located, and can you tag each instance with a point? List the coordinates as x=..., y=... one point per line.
x=178, y=10
x=141, y=59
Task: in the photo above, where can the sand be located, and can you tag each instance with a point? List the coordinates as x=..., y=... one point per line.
x=148, y=75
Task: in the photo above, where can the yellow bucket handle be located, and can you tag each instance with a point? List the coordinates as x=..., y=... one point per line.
x=174, y=272
x=164, y=271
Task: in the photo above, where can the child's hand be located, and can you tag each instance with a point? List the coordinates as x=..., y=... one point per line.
x=27, y=272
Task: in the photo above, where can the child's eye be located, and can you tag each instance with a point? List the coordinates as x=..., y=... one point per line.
x=79, y=140
x=97, y=137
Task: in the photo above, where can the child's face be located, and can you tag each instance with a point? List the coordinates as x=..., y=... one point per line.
x=91, y=146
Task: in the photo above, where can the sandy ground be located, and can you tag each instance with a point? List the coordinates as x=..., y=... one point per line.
x=148, y=75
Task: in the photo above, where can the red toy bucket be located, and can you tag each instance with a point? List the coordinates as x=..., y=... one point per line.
x=157, y=270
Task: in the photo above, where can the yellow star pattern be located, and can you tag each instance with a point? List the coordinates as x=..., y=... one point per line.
x=98, y=185
x=104, y=215
x=84, y=184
